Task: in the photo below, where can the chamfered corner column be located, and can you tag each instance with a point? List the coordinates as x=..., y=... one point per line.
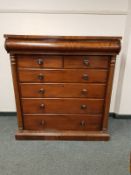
x=108, y=93
x=16, y=91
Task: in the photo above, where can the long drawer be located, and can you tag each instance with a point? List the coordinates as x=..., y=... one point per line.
x=62, y=106
x=63, y=122
x=63, y=75
x=62, y=90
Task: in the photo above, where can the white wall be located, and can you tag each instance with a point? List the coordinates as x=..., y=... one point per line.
x=80, y=17
x=65, y=5
x=124, y=92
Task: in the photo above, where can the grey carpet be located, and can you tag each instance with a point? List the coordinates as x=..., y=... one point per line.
x=65, y=157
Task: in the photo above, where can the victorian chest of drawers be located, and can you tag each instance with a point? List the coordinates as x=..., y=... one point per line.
x=62, y=85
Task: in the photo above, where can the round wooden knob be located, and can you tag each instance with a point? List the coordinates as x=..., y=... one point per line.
x=82, y=123
x=40, y=61
x=86, y=61
x=83, y=106
x=40, y=76
x=41, y=91
x=84, y=91
x=42, y=122
x=42, y=106
x=85, y=77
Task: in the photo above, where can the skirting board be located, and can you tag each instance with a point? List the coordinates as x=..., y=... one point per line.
x=111, y=114
x=8, y=114
x=119, y=116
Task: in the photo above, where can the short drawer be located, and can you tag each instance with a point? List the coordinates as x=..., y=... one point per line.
x=62, y=90
x=39, y=61
x=62, y=106
x=63, y=122
x=86, y=61
x=63, y=75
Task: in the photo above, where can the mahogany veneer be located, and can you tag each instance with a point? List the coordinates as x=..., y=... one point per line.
x=62, y=85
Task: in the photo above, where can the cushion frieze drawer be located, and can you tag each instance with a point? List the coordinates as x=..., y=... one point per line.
x=39, y=61
x=63, y=122
x=62, y=90
x=63, y=75
x=86, y=61
x=61, y=106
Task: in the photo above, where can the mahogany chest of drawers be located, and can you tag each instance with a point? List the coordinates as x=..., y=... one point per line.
x=62, y=85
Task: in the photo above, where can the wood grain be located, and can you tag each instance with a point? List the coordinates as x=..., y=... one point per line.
x=63, y=85
x=63, y=135
x=81, y=90
x=87, y=61
x=63, y=75
x=62, y=44
x=62, y=122
x=16, y=91
x=108, y=93
x=61, y=106
x=47, y=61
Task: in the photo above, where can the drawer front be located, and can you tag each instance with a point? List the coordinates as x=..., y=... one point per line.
x=62, y=122
x=63, y=90
x=62, y=106
x=38, y=61
x=63, y=75
x=86, y=61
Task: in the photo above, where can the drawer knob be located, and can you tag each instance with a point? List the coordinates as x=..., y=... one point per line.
x=40, y=76
x=85, y=77
x=41, y=91
x=42, y=122
x=86, y=61
x=42, y=106
x=82, y=123
x=84, y=91
x=83, y=106
x=40, y=61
